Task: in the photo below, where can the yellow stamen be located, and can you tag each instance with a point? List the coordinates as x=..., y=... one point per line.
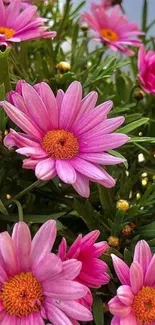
x=22, y=295
x=109, y=34
x=60, y=144
x=144, y=306
x=7, y=32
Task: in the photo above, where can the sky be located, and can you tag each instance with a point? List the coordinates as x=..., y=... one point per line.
x=133, y=9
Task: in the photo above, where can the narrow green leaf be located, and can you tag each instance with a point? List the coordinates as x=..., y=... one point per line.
x=147, y=231
x=132, y=126
x=3, y=209
x=98, y=310
x=144, y=16
x=4, y=74
x=117, y=223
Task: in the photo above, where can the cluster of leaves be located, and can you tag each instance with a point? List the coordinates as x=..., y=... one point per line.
x=113, y=78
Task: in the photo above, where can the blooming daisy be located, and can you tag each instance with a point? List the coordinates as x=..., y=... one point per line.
x=18, y=25
x=35, y=285
x=64, y=136
x=135, y=300
x=146, y=67
x=113, y=28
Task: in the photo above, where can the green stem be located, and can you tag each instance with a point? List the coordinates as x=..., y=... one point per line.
x=20, y=210
x=26, y=190
x=4, y=74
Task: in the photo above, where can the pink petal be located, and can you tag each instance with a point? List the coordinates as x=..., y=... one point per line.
x=125, y=295
x=103, y=143
x=62, y=249
x=101, y=158
x=142, y=254
x=35, y=152
x=100, y=248
x=2, y=11
x=121, y=269
x=49, y=267
x=65, y=171
x=43, y=241
x=118, y=309
x=17, y=100
x=150, y=276
x=136, y=277
x=8, y=319
x=8, y=252
x=59, y=98
x=12, y=12
x=75, y=310
x=56, y=316
x=115, y=321
x=87, y=104
x=16, y=139
x=45, y=169
x=22, y=241
x=90, y=119
x=74, y=250
x=141, y=57
x=86, y=168
x=64, y=289
x=3, y=277
x=30, y=163
x=71, y=269
x=50, y=103
x=36, y=108
x=81, y=185
x=22, y=120
x=70, y=105
x=89, y=239
x=129, y=320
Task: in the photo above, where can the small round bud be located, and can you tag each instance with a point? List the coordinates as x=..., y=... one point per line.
x=84, y=27
x=8, y=196
x=113, y=241
x=122, y=205
x=139, y=95
x=132, y=225
x=63, y=66
x=126, y=231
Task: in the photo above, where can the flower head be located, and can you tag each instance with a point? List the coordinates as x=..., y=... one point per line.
x=135, y=300
x=94, y=271
x=146, y=67
x=64, y=136
x=35, y=284
x=112, y=28
x=18, y=25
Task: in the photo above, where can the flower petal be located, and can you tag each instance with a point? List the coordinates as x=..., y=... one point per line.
x=43, y=241
x=81, y=185
x=71, y=269
x=136, y=277
x=121, y=269
x=142, y=254
x=65, y=171
x=115, y=321
x=8, y=252
x=22, y=241
x=75, y=310
x=86, y=168
x=45, y=169
x=125, y=295
x=56, y=316
x=101, y=158
x=117, y=308
x=128, y=320
x=149, y=276
x=64, y=289
x=49, y=267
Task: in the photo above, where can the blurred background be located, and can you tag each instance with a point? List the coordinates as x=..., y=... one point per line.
x=133, y=9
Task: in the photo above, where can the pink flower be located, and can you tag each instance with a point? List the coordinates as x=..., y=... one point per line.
x=35, y=284
x=112, y=28
x=146, y=67
x=94, y=271
x=135, y=300
x=17, y=25
x=64, y=136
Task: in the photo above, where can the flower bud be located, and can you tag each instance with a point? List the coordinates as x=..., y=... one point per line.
x=113, y=241
x=139, y=95
x=122, y=205
x=63, y=66
x=126, y=231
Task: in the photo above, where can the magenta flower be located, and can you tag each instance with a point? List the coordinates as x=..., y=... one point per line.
x=35, y=284
x=94, y=271
x=17, y=25
x=146, y=67
x=135, y=300
x=112, y=28
x=64, y=136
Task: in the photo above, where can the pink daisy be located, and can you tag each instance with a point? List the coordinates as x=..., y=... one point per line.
x=135, y=300
x=35, y=285
x=94, y=271
x=64, y=136
x=112, y=28
x=146, y=67
x=17, y=25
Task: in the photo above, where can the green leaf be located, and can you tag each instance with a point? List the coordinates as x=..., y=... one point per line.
x=132, y=126
x=3, y=209
x=3, y=117
x=118, y=155
x=147, y=231
x=4, y=74
x=144, y=16
x=117, y=223
x=98, y=310
x=142, y=139
x=127, y=256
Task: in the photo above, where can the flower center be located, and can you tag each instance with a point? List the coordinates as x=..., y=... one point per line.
x=144, y=306
x=60, y=144
x=22, y=295
x=7, y=32
x=111, y=35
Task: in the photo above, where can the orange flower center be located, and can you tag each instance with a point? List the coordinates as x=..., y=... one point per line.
x=110, y=34
x=60, y=144
x=22, y=295
x=7, y=32
x=144, y=306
